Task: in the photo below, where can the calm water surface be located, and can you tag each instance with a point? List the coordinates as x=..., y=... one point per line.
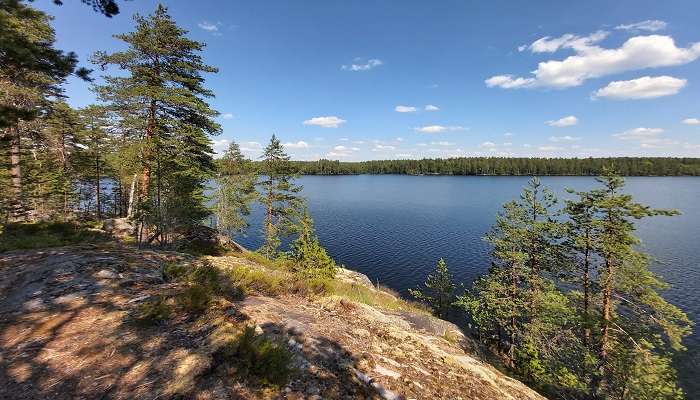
x=394, y=229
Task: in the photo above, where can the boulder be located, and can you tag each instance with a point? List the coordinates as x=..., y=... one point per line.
x=119, y=227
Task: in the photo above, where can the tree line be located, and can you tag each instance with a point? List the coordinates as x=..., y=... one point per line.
x=625, y=166
x=569, y=303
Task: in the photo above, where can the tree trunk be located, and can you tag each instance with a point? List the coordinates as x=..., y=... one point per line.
x=586, y=294
x=17, y=200
x=97, y=187
x=132, y=193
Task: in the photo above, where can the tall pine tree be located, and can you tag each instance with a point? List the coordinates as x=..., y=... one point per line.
x=164, y=87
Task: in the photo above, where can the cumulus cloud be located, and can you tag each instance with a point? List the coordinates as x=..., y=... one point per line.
x=651, y=25
x=488, y=145
x=405, y=109
x=226, y=115
x=250, y=147
x=442, y=143
x=359, y=65
x=297, y=145
x=325, y=122
x=342, y=151
x=220, y=146
x=403, y=155
x=592, y=61
x=431, y=107
x=383, y=147
x=643, y=135
x=563, y=122
x=438, y=128
x=563, y=138
x=646, y=87
x=691, y=121
x=548, y=148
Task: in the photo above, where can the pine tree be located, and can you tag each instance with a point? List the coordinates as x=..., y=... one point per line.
x=235, y=191
x=95, y=143
x=310, y=258
x=439, y=291
x=280, y=197
x=632, y=313
x=164, y=89
x=31, y=71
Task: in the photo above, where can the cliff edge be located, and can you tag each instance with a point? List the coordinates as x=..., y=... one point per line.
x=72, y=325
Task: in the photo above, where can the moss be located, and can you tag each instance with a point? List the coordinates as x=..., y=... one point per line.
x=195, y=299
x=24, y=236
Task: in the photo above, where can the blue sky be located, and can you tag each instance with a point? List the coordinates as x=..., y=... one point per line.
x=358, y=80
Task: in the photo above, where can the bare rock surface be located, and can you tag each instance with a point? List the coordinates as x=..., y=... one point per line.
x=67, y=330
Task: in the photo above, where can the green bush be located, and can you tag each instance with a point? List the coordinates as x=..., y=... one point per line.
x=154, y=311
x=256, y=356
x=195, y=299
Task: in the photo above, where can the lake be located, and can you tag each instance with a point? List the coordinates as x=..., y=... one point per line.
x=394, y=229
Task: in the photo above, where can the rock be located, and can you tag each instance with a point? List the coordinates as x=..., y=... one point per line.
x=201, y=236
x=386, y=371
x=106, y=274
x=354, y=277
x=119, y=227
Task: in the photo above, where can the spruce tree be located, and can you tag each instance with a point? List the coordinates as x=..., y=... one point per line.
x=439, y=291
x=310, y=258
x=235, y=191
x=280, y=197
x=163, y=87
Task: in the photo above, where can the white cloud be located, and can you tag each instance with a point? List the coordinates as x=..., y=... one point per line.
x=298, y=145
x=488, y=145
x=341, y=151
x=362, y=66
x=325, y=122
x=220, y=146
x=508, y=134
x=642, y=134
x=382, y=147
x=642, y=88
x=403, y=155
x=405, y=109
x=592, y=61
x=651, y=25
x=567, y=41
x=563, y=138
x=431, y=107
x=209, y=27
x=439, y=128
x=442, y=143
x=227, y=116
x=509, y=82
x=343, y=139
x=548, y=148
x=691, y=121
x=563, y=122
x=251, y=147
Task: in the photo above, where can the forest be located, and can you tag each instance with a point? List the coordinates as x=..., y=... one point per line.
x=625, y=166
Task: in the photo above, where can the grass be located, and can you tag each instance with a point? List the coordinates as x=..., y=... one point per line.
x=25, y=236
x=381, y=298
x=154, y=311
x=258, y=357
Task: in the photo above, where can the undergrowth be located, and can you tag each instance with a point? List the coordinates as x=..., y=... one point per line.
x=24, y=236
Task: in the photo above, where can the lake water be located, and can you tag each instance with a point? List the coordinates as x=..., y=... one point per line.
x=394, y=229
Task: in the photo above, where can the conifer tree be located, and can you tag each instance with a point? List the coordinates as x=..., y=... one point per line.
x=95, y=142
x=235, y=191
x=280, y=197
x=638, y=329
x=310, y=258
x=164, y=88
x=31, y=71
x=439, y=291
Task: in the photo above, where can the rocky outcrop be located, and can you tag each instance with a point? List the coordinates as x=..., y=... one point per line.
x=68, y=330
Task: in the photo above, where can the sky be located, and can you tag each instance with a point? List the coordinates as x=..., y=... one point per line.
x=379, y=79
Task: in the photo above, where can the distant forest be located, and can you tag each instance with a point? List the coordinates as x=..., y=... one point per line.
x=626, y=166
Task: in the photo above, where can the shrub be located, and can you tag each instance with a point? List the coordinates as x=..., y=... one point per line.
x=256, y=356
x=154, y=311
x=195, y=299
